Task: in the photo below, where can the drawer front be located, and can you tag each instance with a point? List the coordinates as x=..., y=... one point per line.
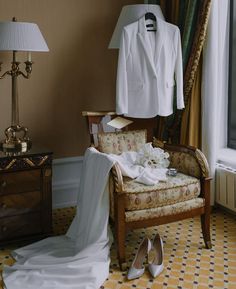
x=21, y=181
x=20, y=226
x=13, y=204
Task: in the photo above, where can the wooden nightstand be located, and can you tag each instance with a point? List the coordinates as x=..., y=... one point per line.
x=25, y=195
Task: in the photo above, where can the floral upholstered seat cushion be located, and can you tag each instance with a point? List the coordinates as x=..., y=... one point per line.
x=140, y=215
x=177, y=189
x=119, y=142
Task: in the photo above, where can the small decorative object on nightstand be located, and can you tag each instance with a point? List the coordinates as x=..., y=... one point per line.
x=25, y=195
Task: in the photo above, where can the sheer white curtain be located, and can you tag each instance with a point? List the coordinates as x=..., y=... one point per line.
x=215, y=85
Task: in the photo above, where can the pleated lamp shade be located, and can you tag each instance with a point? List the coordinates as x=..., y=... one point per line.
x=129, y=14
x=21, y=36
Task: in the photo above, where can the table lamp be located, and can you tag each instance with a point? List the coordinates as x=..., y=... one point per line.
x=18, y=36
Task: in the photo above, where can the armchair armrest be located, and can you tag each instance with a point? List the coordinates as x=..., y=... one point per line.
x=118, y=178
x=115, y=187
x=186, y=159
x=203, y=163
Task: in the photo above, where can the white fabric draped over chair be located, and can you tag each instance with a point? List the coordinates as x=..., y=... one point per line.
x=79, y=259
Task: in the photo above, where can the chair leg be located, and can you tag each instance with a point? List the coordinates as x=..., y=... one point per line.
x=205, y=218
x=120, y=231
x=205, y=223
x=121, y=247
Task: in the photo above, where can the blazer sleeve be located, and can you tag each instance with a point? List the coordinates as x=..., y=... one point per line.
x=179, y=70
x=121, y=81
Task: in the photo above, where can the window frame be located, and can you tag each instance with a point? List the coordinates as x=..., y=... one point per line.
x=231, y=142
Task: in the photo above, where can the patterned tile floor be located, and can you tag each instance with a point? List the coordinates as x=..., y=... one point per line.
x=187, y=263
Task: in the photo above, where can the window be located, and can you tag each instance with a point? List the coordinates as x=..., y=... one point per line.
x=232, y=78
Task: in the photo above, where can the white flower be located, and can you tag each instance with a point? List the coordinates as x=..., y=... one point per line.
x=152, y=157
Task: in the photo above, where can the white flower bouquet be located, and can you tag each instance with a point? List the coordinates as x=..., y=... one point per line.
x=152, y=157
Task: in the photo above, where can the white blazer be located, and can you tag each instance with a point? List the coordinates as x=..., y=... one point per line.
x=149, y=68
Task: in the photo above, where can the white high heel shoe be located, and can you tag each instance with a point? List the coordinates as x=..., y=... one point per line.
x=156, y=267
x=137, y=268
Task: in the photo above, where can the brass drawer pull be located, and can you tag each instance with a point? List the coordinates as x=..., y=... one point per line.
x=4, y=228
x=3, y=206
x=3, y=184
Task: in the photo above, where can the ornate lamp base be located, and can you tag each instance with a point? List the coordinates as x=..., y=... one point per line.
x=16, y=139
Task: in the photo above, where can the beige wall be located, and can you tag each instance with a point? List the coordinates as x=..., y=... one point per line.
x=77, y=74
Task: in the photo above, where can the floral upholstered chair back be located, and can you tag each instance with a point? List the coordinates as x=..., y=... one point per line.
x=123, y=141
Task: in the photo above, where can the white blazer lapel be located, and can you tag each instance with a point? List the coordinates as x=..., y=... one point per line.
x=142, y=35
x=160, y=40
x=145, y=41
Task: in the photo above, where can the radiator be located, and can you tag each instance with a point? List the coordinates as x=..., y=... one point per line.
x=226, y=187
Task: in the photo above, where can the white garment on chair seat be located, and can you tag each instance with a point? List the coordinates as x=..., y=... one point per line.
x=79, y=259
x=145, y=175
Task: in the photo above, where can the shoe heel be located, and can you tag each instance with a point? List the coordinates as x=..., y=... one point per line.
x=156, y=267
x=137, y=268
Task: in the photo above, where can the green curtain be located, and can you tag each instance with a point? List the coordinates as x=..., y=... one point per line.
x=191, y=16
x=187, y=23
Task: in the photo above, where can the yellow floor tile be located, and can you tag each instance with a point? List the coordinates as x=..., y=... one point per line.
x=178, y=271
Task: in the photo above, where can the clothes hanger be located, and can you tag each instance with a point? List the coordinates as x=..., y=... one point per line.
x=150, y=16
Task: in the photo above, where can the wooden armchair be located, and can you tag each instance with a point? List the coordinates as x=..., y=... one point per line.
x=134, y=205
